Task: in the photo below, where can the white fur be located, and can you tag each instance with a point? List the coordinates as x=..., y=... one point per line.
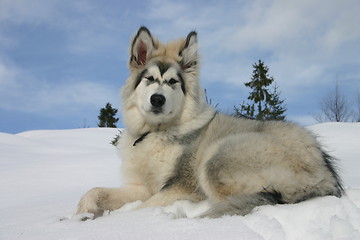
x=173, y=98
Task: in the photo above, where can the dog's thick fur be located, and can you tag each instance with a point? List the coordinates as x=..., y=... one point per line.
x=175, y=146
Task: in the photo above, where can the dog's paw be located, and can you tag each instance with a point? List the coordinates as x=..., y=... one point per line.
x=89, y=205
x=83, y=217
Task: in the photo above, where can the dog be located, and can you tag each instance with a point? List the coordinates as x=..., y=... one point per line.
x=177, y=147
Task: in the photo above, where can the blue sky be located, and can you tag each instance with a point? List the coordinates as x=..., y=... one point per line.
x=61, y=61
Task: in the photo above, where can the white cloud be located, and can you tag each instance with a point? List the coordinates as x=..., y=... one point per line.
x=88, y=29
x=306, y=44
x=84, y=27
x=298, y=25
x=166, y=10
x=72, y=96
x=20, y=91
x=8, y=73
x=303, y=38
x=28, y=12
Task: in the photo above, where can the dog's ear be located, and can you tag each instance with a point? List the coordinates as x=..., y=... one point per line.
x=189, y=55
x=141, y=48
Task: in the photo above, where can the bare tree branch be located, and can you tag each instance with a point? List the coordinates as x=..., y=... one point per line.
x=357, y=110
x=334, y=107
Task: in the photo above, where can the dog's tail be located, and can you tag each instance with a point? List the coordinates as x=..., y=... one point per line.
x=243, y=204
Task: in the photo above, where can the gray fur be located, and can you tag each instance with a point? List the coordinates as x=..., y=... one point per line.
x=163, y=67
x=183, y=175
x=330, y=164
x=242, y=204
x=186, y=139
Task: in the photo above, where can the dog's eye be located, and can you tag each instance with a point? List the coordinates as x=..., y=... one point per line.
x=172, y=81
x=151, y=78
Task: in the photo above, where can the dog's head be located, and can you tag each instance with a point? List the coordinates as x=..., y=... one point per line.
x=163, y=80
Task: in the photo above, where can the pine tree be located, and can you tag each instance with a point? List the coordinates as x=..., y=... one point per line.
x=277, y=109
x=264, y=104
x=107, y=116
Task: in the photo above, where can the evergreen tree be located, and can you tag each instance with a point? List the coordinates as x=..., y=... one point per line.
x=107, y=116
x=277, y=109
x=264, y=104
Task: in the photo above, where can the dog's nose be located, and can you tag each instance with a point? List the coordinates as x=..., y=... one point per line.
x=157, y=100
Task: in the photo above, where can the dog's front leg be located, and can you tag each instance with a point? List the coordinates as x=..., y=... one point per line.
x=97, y=200
x=167, y=197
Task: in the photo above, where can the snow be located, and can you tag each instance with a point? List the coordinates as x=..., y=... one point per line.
x=43, y=174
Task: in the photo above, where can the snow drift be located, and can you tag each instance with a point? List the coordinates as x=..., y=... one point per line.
x=43, y=174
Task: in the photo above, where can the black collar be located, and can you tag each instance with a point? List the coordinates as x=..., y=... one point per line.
x=140, y=138
x=145, y=134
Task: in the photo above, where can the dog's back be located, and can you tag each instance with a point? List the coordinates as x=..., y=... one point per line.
x=247, y=163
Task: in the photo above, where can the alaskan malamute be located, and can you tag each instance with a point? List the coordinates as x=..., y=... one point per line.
x=177, y=147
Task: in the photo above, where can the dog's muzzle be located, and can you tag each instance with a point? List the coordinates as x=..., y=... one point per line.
x=157, y=101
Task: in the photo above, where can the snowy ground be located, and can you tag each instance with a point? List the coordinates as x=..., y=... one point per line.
x=44, y=173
